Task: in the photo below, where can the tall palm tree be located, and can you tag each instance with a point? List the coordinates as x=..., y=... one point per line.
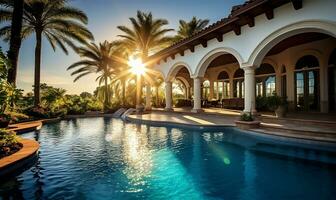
x=145, y=36
x=60, y=23
x=16, y=15
x=187, y=29
x=97, y=59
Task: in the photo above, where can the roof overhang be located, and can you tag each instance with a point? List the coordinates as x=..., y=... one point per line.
x=241, y=15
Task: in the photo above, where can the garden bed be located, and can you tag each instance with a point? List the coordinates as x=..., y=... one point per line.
x=9, y=143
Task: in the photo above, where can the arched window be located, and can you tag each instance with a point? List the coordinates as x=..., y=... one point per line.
x=205, y=89
x=238, y=81
x=305, y=62
x=265, y=80
x=307, y=83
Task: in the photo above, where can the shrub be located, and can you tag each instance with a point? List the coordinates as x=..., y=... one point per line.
x=262, y=103
x=275, y=101
x=37, y=112
x=8, y=142
x=246, y=117
x=17, y=117
x=183, y=103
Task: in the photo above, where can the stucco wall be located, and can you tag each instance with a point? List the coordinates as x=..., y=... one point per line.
x=251, y=46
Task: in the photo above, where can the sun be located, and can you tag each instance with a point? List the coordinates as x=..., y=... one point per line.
x=137, y=67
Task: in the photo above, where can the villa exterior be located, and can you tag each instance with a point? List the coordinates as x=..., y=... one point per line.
x=262, y=47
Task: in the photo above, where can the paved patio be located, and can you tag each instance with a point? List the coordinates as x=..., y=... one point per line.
x=310, y=129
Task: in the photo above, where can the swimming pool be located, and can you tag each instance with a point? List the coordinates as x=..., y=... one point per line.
x=106, y=158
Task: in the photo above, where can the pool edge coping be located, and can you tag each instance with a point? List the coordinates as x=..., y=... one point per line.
x=260, y=132
x=20, y=158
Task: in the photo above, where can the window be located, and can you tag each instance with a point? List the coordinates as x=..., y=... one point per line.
x=239, y=87
x=265, y=80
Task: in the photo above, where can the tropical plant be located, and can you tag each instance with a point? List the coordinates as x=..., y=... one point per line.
x=145, y=36
x=60, y=23
x=9, y=143
x=187, y=29
x=96, y=59
x=247, y=117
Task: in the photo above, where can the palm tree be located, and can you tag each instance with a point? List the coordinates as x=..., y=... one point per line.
x=97, y=59
x=187, y=29
x=16, y=15
x=145, y=36
x=60, y=23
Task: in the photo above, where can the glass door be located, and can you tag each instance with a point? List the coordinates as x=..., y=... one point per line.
x=307, y=89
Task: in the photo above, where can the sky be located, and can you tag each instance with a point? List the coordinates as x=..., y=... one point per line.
x=104, y=17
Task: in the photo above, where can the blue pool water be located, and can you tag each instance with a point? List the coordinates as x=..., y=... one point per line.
x=105, y=158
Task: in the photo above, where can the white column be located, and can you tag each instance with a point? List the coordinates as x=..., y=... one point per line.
x=278, y=83
x=169, y=95
x=148, y=97
x=249, y=80
x=231, y=87
x=324, y=91
x=197, y=95
x=290, y=84
x=217, y=91
x=187, y=92
x=211, y=96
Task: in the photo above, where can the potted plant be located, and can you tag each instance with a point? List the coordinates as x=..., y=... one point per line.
x=4, y=120
x=247, y=122
x=278, y=105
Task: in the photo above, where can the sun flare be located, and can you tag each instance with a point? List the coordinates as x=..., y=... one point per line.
x=137, y=67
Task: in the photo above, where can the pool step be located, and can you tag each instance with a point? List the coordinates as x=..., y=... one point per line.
x=301, y=122
x=127, y=112
x=297, y=133
x=119, y=112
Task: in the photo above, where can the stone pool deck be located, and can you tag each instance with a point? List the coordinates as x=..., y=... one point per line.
x=324, y=131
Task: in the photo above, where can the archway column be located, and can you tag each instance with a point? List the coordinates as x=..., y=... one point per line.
x=211, y=95
x=231, y=87
x=197, y=95
x=250, y=87
x=169, y=95
x=324, y=89
x=187, y=92
x=148, y=97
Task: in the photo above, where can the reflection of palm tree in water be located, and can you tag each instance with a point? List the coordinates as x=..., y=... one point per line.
x=37, y=170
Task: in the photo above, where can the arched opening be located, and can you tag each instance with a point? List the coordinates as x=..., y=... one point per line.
x=265, y=80
x=332, y=81
x=205, y=89
x=300, y=69
x=218, y=68
x=307, y=83
x=182, y=88
x=238, y=84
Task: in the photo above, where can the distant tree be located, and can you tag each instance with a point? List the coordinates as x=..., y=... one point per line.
x=187, y=29
x=86, y=95
x=145, y=36
x=96, y=59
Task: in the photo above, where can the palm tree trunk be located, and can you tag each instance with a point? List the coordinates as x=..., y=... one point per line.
x=15, y=40
x=123, y=92
x=138, y=91
x=37, y=79
x=157, y=96
x=106, y=98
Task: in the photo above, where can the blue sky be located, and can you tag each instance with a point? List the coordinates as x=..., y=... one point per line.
x=104, y=17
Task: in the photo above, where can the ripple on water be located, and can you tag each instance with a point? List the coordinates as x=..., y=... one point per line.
x=104, y=158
